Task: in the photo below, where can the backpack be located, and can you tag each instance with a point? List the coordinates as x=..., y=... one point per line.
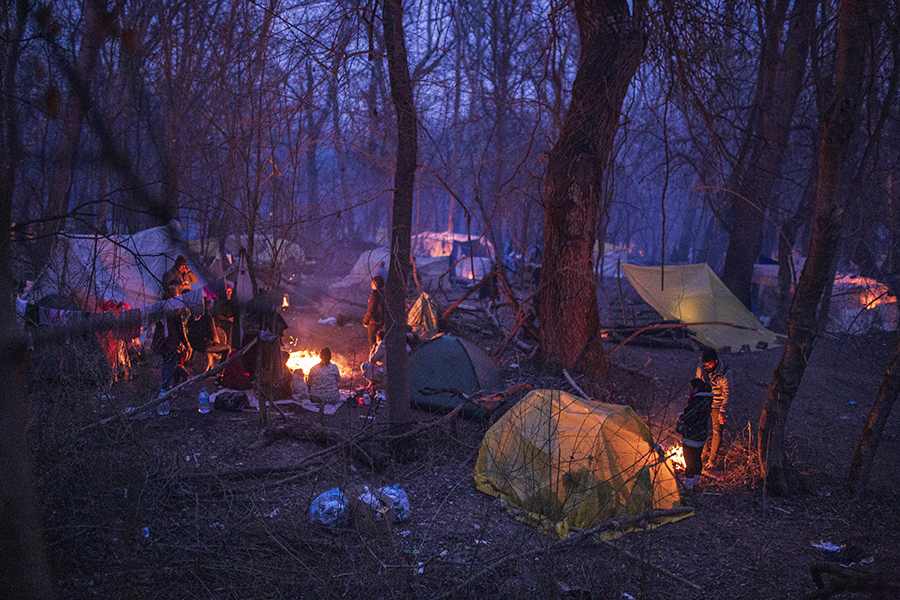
x=231, y=401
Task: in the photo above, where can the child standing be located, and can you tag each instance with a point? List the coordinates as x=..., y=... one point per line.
x=693, y=427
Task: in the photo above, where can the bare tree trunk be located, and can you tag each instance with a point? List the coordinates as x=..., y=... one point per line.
x=24, y=571
x=780, y=77
x=835, y=130
x=611, y=46
x=72, y=118
x=864, y=457
x=401, y=223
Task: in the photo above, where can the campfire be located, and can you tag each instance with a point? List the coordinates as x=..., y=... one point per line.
x=305, y=359
x=675, y=456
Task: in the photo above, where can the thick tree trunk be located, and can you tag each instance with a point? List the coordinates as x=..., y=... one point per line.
x=611, y=47
x=753, y=179
x=401, y=223
x=24, y=571
x=72, y=118
x=835, y=130
x=861, y=466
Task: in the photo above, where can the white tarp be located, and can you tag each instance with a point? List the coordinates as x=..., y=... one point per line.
x=92, y=268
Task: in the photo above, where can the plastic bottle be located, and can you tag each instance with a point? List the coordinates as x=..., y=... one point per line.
x=163, y=407
x=203, y=401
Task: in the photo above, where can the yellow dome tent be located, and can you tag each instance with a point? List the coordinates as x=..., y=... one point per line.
x=562, y=462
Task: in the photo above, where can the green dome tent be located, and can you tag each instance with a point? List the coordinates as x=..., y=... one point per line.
x=561, y=462
x=450, y=362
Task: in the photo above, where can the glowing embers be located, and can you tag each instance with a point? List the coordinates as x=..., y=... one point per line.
x=675, y=456
x=302, y=359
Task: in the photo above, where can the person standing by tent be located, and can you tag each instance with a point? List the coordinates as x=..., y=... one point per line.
x=713, y=371
x=170, y=338
x=694, y=429
x=178, y=279
x=374, y=319
x=323, y=380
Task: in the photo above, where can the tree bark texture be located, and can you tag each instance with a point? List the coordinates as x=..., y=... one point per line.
x=72, y=118
x=753, y=179
x=864, y=457
x=835, y=130
x=611, y=47
x=401, y=223
x=24, y=570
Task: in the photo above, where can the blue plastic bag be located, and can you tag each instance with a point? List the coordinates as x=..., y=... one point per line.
x=330, y=509
x=400, y=500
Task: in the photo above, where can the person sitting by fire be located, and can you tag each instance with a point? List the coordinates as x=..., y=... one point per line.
x=374, y=369
x=323, y=380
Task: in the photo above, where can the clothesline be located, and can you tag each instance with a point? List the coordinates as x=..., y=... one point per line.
x=126, y=324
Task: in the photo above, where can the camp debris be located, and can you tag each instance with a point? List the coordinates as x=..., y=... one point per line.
x=448, y=362
x=694, y=294
x=561, y=462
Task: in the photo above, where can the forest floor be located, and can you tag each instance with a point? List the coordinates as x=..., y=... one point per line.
x=213, y=505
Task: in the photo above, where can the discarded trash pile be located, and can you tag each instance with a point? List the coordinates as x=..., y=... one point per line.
x=371, y=510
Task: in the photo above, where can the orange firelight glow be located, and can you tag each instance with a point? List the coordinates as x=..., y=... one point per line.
x=306, y=359
x=675, y=455
x=302, y=359
x=869, y=292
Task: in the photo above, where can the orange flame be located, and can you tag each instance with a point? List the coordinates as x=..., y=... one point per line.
x=675, y=456
x=306, y=359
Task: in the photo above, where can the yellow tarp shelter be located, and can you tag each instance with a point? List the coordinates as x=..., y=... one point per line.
x=562, y=462
x=694, y=294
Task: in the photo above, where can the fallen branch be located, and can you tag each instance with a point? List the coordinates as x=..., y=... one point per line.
x=380, y=437
x=155, y=401
x=658, y=568
x=575, y=385
x=676, y=326
x=501, y=397
x=570, y=541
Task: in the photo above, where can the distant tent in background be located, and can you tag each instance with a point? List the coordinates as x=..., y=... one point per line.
x=858, y=304
x=612, y=256
x=472, y=256
x=365, y=268
x=93, y=268
x=694, y=294
x=447, y=243
x=450, y=362
x=561, y=462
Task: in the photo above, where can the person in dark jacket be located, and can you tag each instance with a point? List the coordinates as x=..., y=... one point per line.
x=374, y=319
x=178, y=279
x=693, y=427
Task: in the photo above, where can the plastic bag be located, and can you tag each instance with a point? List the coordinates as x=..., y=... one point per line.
x=330, y=509
x=400, y=500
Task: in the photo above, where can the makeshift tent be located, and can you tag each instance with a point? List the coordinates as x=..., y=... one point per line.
x=858, y=304
x=448, y=243
x=562, y=462
x=450, y=362
x=93, y=268
x=421, y=317
x=693, y=294
x=365, y=268
x=470, y=256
